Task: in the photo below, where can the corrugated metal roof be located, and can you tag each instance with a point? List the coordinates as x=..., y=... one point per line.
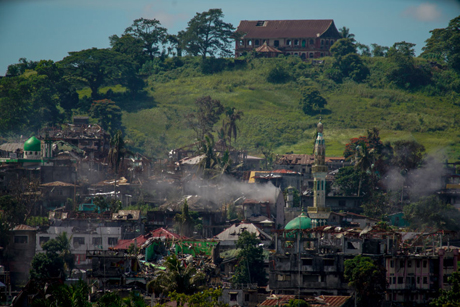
x=232, y=233
x=12, y=147
x=24, y=227
x=277, y=299
x=330, y=301
x=58, y=184
x=286, y=28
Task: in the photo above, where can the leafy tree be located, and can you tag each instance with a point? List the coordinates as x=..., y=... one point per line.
x=345, y=33
x=20, y=68
x=150, y=32
x=205, y=298
x=94, y=67
x=363, y=161
x=444, y=44
x=403, y=48
x=64, y=295
x=364, y=49
x=109, y=299
x=52, y=263
x=205, y=117
x=130, y=46
x=451, y=297
x=378, y=50
x=404, y=72
x=348, y=179
x=431, y=212
x=408, y=155
x=250, y=267
x=368, y=280
x=278, y=74
x=177, y=278
x=177, y=42
x=351, y=66
x=311, y=100
x=108, y=114
x=118, y=151
x=342, y=47
x=208, y=34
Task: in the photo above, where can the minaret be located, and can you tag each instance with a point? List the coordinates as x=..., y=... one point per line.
x=319, y=213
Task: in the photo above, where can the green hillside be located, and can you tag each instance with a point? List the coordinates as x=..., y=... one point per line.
x=273, y=117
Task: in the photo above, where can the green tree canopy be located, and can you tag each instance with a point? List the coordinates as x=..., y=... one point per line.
x=94, y=67
x=342, y=47
x=408, y=154
x=250, y=267
x=207, y=114
x=431, y=212
x=108, y=115
x=311, y=100
x=451, y=297
x=345, y=33
x=150, y=32
x=207, y=34
x=368, y=280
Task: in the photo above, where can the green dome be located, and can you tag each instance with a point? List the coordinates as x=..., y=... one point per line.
x=33, y=144
x=300, y=222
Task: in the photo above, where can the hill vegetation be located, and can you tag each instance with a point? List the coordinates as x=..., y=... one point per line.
x=281, y=99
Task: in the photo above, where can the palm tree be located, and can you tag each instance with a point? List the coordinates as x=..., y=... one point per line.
x=184, y=221
x=64, y=243
x=178, y=277
x=117, y=154
x=210, y=160
x=232, y=116
x=363, y=161
x=345, y=33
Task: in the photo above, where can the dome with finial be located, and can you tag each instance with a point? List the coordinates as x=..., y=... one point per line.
x=301, y=222
x=32, y=144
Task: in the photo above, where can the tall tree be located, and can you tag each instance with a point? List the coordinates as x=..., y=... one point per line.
x=250, y=267
x=363, y=161
x=378, y=50
x=311, y=100
x=364, y=49
x=408, y=155
x=232, y=116
x=207, y=34
x=108, y=115
x=368, y=280
x=150, y=32
x=444, y=44
x=451, y=297
x=177, y=41
x=205, y=117
x=117, y=151
x=93, y=67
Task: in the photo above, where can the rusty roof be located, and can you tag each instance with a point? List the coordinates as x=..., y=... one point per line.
x=58, y=184
x=287, y=28
x=329, y=300
x=303, y=159
x=24, y=227
x=277, y=299
x=267, y=49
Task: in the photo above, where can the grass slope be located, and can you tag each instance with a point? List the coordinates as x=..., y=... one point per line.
x=272, y=115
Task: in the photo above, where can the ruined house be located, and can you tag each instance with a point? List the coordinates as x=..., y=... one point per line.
x=307, y=39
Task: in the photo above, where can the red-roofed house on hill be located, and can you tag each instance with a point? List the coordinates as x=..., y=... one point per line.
x=304, y=38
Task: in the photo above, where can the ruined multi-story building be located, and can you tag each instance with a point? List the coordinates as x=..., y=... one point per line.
x=304, y=38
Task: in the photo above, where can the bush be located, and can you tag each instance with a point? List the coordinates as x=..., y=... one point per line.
x=278, y=74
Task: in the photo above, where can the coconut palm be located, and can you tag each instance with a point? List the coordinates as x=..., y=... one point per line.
x=363, y=161
x=232, y=116
x=178, y=277
x=345, y=33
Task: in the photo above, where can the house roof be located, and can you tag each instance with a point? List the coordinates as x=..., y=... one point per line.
x=24, y=227
x=233, y=232
x=127, y=215
x=277, y=299
x=286, y=28
x=58, y=184
x=162, y=233
x=267, y=49
x=12, y=147
x=329, y=300
x=124, y=244
x=303, y=159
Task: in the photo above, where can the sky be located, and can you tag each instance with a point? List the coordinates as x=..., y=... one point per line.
x=49, y=29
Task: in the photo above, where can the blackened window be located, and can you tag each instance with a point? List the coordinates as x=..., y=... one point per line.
x=97, y=241
x=113, y=241
x=307, y=261
x=21, y=239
